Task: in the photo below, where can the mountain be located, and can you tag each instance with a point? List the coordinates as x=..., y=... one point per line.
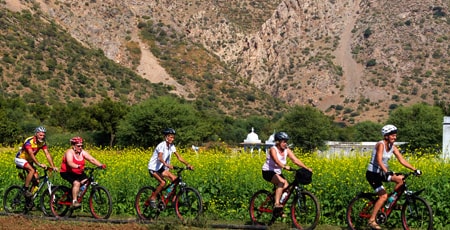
x=353, y=59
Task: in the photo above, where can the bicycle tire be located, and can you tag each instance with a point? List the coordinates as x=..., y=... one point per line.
x=60, y=201
x=417, y=214
x=44, y=202
x=100, y=202
x=14, y=200
x=260, y=208
x=142, y=206
x=305, y=211
x=188, y=204
x=359, y=211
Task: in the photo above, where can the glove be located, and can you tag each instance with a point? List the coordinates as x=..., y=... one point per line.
x=417, y=172
x=103, y=166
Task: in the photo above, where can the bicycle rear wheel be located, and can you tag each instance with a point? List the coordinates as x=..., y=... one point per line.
x=60, y=201
x=14, y=200
x=142, y=204
x=417, y=214
x=359, y=211
x=188, y=204
x=261, y=205
x=305, y=211
x=100, y=202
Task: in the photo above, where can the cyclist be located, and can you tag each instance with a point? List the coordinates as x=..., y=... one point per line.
x=276, y=160
x=159, y=163
x=378, y=169
x=72, y=167
x=26, y=157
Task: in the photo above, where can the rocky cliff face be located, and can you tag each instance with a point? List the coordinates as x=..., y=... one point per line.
x=354, y=59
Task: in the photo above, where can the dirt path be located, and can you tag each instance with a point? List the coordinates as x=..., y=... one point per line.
x=353, y=71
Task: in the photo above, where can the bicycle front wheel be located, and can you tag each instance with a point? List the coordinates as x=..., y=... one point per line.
x=142, y=204
x=100, y=202
x=359, y=211
x=45, y=202
x=305, y=211
x=417, y=214
x=14, y=200
x=188, y=204
x=60, y=201
x=260, y=209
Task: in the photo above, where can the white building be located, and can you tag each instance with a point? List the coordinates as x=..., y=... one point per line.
x=446, y=139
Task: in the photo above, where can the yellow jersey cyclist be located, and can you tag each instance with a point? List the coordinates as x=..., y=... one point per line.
x=26, y=157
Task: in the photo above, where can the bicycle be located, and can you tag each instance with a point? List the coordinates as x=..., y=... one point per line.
x=187, y=201
x=416, y=213
x=100, y=202
x=15, y=201
x=305, y=208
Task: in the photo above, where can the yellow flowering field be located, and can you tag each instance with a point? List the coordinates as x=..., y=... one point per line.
x=227, y=179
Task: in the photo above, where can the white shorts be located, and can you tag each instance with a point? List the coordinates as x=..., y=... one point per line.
x=21, y=162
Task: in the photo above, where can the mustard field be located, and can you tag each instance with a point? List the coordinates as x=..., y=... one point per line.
x=227, y=179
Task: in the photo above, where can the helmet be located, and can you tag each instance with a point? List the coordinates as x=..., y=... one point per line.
x=168, y=131
x=388, y=130
x=40, y=129
x=281, y=136
x=76, y=140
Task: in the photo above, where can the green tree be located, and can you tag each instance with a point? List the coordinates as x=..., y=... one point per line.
x=107, y=115
x=308, y=127
x=367, y=131
x=420, y=125
x=143, y=125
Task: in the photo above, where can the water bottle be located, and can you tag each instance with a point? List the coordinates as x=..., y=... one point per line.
x=168, y=190
x=82, y=188
x=283, y=197
x=391, y=199
x=35, y=189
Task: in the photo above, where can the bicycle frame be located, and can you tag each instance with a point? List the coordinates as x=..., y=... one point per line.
x=178, y=184
x=43, y=180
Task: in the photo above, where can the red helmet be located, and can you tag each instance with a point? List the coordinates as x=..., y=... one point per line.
x=76, y=140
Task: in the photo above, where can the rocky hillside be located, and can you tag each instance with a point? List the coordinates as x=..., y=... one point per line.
x=354, y=59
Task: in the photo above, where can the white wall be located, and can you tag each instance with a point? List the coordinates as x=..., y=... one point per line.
x=446, y=139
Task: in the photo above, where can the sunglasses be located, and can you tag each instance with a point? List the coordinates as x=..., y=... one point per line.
x=81, y=146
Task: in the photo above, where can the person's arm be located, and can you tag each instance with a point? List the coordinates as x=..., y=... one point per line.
x=69, y=159
x=50, y=159
x=91, y=159
x=33, y=157
x=161, y=159
x=379, y=157
x=297, y=161
x=273, y=156
x=180, y=158
x=402, y=160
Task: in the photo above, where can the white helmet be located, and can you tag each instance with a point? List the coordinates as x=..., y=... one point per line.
x=388, y=130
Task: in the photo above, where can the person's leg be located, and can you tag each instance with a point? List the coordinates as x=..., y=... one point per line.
x=280, y=184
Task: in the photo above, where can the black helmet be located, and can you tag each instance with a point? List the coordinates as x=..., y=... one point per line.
x=281, y=136
x=168, y=131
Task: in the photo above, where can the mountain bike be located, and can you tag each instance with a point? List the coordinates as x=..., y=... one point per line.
x=416, y=213
x=186, y=200
x=304, y=210
x=100, y=202
x=15, y=201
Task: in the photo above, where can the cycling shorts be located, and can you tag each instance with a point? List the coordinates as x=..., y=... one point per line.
x=71, y=177
x=375, y=180
x=21, y=163
x=160, y=171
x=268, y=175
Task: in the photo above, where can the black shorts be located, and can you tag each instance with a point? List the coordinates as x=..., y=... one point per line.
x=160, y=171
x=71, y=177
x=375, y=179
x=268, y=175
